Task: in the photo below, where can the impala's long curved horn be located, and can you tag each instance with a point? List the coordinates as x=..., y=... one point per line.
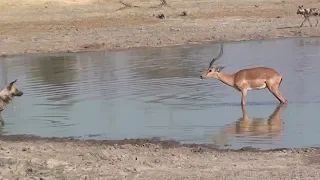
x=216, y=58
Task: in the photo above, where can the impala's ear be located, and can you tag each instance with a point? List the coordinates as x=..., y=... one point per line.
x=218, y=69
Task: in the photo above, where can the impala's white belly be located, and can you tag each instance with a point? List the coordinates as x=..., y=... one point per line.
x=258, y=87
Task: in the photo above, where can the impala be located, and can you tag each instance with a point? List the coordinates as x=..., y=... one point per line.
x=247, y=79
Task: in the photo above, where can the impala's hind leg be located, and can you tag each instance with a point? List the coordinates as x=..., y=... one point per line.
x=274, y=89
x=285, y=100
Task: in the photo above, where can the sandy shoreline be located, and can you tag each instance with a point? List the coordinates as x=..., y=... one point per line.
x=94, y=25
x=28, y=157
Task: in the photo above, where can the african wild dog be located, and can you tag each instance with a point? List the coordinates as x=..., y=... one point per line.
x=306, y=13
x=7, y=95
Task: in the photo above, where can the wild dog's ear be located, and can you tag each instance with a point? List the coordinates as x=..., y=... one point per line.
x=11, y=84
x=218, y=69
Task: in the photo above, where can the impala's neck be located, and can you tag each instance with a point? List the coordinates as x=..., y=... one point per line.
x=227, y=79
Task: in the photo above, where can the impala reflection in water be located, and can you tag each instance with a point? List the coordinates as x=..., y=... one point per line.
x=268, y=127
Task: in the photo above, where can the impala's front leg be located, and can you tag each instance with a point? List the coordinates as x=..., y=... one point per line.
x=244, y=97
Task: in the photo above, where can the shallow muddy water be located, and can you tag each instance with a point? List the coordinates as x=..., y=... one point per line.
x=157, y=92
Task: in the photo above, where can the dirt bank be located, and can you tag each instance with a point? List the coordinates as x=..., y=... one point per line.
x=45, y=158
x=32, y=26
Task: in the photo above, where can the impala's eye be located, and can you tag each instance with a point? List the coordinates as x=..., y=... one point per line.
x=210, y=70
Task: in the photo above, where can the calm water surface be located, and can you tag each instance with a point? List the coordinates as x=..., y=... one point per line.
x=145, y=93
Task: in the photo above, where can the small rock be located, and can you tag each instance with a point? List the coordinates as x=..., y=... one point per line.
x=174, y=29
x=184, y=13
x=24, y=149
x=29, y=170
x=128, y=169
x=41, y=178
x=197, y=150
x=161, y=16
x=157, y=160
x=145, y=162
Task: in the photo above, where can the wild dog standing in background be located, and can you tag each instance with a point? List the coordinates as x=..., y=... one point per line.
x=7, y=95
x=306, y=13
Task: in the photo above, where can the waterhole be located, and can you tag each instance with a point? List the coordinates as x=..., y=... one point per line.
x=157, y=92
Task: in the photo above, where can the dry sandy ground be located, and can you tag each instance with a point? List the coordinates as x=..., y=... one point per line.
x=32, y=26
x=36, y=158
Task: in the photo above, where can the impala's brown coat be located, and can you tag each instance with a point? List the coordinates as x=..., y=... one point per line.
x=247, y=79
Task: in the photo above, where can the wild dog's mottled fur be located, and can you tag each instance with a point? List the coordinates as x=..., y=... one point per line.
x=7, y=95
x=307, y=13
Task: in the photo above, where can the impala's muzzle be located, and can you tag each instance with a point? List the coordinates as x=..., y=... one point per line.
x=201, y=77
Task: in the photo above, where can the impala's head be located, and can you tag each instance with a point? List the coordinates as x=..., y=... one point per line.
x=213, y=71
x=300, y=10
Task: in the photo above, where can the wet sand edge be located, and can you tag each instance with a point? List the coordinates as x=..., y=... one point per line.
x=165, y=144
